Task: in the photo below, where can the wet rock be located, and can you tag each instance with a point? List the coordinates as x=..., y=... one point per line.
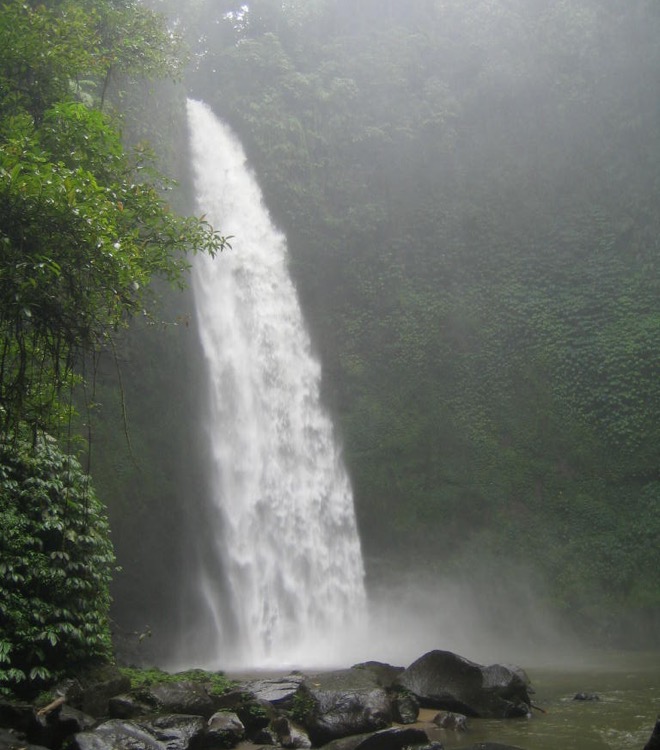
x=255, y=714
x=53, y=728
x=265, y=736
x=38, y=728
x=116, y=735
x=385, y=674
x=395, y=738
x=224, y=729
x=10, y=740
x=654, y=739
x=443, y=680
x=163, y=732
x=128, y=706
x=17, y=715
x=91, y=690
x=342, y=703
x=174, y=731
x=288, y=734
x=278, y=692
x=183, y=697
x=449, y=720
x=405, y=708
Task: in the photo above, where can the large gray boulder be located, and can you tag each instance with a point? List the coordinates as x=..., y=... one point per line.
x=443, y=680
x=278, y=691
x=342, y=703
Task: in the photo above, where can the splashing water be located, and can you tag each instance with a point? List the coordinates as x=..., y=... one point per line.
x=287, y=540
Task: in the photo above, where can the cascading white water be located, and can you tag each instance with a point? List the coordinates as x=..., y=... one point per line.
x=287, y=539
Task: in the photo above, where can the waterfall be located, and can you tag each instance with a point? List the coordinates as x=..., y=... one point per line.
x=286, y=537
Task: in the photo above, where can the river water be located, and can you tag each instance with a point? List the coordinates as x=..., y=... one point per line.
x=628, y=687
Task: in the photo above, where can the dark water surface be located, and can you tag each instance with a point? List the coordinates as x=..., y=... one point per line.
x=628, y=686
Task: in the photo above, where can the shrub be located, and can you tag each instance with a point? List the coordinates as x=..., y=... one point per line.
x=56, y=561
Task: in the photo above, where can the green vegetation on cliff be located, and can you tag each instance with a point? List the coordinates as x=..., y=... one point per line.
x=470, y=192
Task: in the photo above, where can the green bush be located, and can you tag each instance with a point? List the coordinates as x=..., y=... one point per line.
x=56, y=561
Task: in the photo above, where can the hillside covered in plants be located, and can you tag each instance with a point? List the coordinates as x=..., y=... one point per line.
x=470, y=194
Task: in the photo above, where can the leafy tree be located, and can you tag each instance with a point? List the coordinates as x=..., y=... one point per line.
x=84, y=226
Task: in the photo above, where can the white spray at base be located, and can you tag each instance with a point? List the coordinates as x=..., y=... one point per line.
x=287, y=539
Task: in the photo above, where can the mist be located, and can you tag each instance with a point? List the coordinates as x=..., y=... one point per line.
x=469, y=195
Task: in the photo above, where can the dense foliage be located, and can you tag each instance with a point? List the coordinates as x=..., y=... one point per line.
x=85, y=230
x=83, y=224
x=470, y=191
x=56, y=562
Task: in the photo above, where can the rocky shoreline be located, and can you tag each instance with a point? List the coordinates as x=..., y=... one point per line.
x=370, y=706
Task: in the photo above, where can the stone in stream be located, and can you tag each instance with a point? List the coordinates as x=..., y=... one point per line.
x=654, y=739
x=443, y=680
x=451, y=720
x=396, y=738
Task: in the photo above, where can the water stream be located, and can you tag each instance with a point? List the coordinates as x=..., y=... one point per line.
x=284, y=532
x=628, y=690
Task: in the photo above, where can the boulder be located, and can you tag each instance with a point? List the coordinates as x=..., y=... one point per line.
x=279, y=692
x=654, y=739
x=586, y=697
x=13, y=741
x=385, y=674
x=53, y=728
x=265, y=736
x=175, y=731
x=342, y=703
x=128, y=706
x=162, y=732
x=92, y=689
x=224, y=729
x=394, y=738
x=443, y=680
x=17, y=715
x=116, y=734
x=49, y=726
x=288, y=734
x=450, y=720
x=405, y=708
x=184, y=697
